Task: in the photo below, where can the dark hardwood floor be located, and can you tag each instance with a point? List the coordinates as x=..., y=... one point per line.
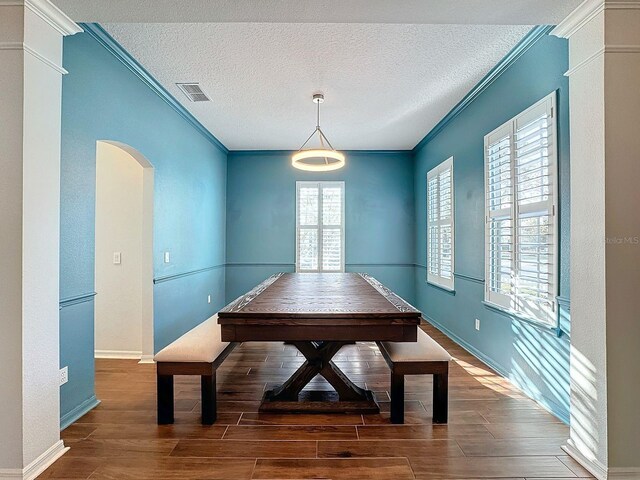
x=493, y=432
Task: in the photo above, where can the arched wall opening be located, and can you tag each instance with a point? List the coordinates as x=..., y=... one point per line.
x=123, y=253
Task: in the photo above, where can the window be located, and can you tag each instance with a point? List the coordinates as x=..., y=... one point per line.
x=440, y=237
x=320, y=226
x=521, y=205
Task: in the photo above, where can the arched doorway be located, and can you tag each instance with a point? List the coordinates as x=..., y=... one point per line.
x=123, y=253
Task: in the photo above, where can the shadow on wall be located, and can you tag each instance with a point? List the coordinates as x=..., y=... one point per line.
x=532, y=357
x=544, y=358
x=585, y=423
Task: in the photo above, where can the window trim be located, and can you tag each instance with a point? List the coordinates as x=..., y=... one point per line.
x=500, y=301
x=320, y=184
x=436, y=280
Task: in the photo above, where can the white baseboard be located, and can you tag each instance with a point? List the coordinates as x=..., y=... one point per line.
x=600, y=471
x=39, y=465
x=79, y=411
x=120, y=354
x=593, y=466
x=146, y=359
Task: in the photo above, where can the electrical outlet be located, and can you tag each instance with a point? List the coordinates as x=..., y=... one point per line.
x=477, y=324
x=117, y=258
x=208, y=298
x=64, y=375
x=167, y=257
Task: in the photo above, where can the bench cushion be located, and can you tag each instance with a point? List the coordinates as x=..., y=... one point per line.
x=200, y=344
x=426, y=349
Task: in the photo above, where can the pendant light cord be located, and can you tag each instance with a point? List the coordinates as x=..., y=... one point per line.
x=321, y=134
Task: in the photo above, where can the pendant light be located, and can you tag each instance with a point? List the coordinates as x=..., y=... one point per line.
x=323, y=159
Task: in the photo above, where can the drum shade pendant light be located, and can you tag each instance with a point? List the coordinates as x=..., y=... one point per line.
x=323, y=159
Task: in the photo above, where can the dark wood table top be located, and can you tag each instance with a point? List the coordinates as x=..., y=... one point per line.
x=320, y=299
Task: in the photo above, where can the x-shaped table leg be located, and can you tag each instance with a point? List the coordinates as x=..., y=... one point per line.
x=318, y=362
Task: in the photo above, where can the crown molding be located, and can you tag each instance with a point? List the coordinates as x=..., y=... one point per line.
x=53, y=16
x=516, y=52
x=600, y=52
x=585, y=62
x=623, y=5
x=346, y=152
x=11, y=46
x=26, y=48
x=44, y=60
x=48, y=12
x=586, y=11
x=112, y=46
x=578, y=18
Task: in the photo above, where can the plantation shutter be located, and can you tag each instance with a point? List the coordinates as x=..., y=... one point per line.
x=320, y=226
x=331, y=228
x=521, y=199
x=500, y=240
x=308, y=228
x=535, y=179
x=440, y=225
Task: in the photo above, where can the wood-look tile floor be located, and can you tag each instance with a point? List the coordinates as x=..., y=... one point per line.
x=494, y=431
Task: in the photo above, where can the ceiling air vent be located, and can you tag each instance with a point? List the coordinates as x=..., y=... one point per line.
x=193, y=92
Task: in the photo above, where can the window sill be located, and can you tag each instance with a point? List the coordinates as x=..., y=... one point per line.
x=448, y=290
x=555, y=330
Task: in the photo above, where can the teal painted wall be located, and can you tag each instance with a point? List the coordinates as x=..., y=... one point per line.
x=205, y=199
x=104, y=100
x=379, y=217
x=536, y=360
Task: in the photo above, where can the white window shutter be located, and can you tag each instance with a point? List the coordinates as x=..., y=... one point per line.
x=521, y=204
x=308, y=227
x=319, y=226
x=499, y=216
x=440, y=225
x=332, y=231
x=536, y=186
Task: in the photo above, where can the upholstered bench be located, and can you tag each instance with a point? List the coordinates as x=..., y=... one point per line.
x=200, y=351
x=414, y=358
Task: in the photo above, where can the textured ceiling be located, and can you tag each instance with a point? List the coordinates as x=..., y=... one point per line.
x=386, y=85
x=479, y=12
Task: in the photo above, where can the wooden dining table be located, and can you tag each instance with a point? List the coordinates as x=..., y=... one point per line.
x=319, y=313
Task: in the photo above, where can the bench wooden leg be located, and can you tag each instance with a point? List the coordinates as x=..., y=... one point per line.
x=397, y=398
x=208, y=385
x=165, y=399
x=440, y=397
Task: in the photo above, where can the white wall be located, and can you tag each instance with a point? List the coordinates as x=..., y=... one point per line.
x=122, y=225
x=41, y=244
x=11, y=99
x=622, y=179
x=604, y=43
x=30, y=99
x=588, y=261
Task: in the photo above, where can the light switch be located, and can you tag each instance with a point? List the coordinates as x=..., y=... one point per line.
x=167, y=257
x=117, y=258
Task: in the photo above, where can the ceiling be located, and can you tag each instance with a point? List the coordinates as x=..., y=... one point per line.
x=388, y=74
x=479, y=12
